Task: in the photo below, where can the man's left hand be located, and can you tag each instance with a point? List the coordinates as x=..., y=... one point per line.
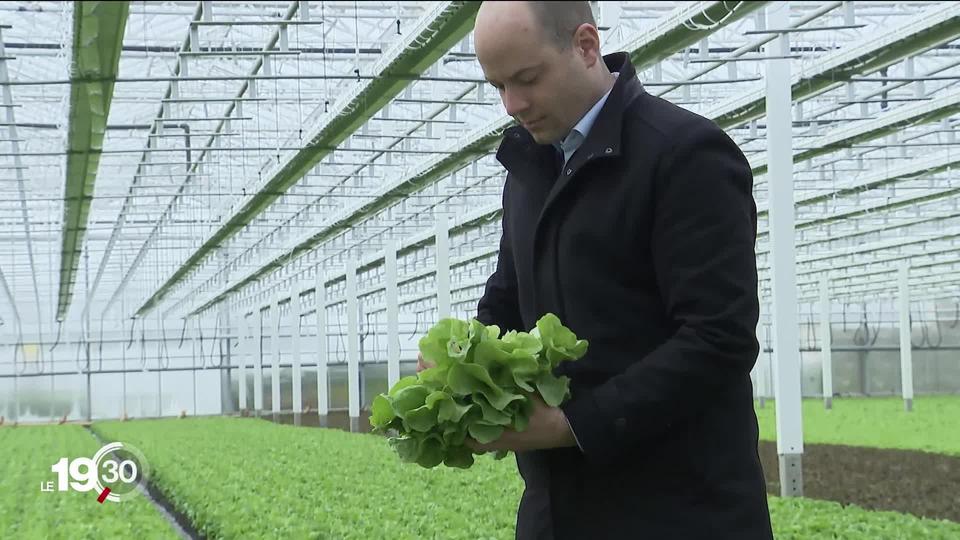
x=548, y=428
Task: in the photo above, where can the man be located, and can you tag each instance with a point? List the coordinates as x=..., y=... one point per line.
x=633, y=221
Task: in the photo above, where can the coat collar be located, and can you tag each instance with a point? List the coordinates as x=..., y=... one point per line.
x=520, y=154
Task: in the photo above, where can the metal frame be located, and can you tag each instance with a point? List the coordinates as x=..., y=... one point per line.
x=243, y=153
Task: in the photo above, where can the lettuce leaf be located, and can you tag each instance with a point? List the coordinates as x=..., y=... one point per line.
x=480, y=385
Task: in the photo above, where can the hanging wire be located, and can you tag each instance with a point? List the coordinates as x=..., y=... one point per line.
x=936, y=322
x=811, y=330
x=77, y=359
x=217, y=344
x=340, y=337
x=132, y=328
x=956, y=316
x=164, y=360
x=203, y=357
x=416, y=325
x=143, y=347
x=183, y=332
x=23, y=360
x=366, y=326
x=40, y=362
x=862, y=334
x=100, y=348
x=922, y=328
x=57, y=341
x=690, y=24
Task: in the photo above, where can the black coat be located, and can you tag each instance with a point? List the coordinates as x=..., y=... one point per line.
x=644, y=245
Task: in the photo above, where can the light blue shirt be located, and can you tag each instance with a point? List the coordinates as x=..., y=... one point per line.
x=579, y=133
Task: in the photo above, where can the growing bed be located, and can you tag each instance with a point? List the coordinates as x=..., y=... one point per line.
x=234, y=476
x=26, y=512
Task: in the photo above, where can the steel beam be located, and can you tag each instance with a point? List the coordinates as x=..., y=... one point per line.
x=409, y=58
x=666, y=38
x=937, y=25
x=942, y=106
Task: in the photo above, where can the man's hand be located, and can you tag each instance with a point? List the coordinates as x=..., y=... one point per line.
x=423, y=364
x=548, y=428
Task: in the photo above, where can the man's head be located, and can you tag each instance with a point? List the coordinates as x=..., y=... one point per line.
x=544, y=58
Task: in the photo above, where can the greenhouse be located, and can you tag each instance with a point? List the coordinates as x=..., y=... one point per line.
x=269, y=269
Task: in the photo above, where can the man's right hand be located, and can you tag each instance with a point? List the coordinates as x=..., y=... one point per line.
x=423, y=364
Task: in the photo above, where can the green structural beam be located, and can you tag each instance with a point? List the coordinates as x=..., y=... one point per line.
x=702, y=20
x=98, y=29
x=432, y=42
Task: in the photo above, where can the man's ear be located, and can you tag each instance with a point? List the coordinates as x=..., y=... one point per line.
x=587, y=42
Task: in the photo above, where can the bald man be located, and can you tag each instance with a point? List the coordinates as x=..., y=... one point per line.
x=633, y=220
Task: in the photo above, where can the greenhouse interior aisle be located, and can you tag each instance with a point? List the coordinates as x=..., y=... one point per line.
x=227, y=230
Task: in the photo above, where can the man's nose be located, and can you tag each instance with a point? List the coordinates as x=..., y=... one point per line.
x=514, y=103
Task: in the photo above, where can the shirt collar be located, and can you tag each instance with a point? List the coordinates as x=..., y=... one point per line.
x=578, y=134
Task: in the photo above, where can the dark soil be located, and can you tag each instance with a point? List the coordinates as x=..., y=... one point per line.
x=913, y=482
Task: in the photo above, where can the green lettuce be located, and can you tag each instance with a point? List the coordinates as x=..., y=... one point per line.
x=479, y=386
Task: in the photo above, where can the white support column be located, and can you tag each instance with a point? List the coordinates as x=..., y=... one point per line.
x=393, y=314
x=295, y=346
x=443, y=266
x=826, y=353
x=246, y=342
x=760, y=368
x=320, y=300
x=160, y=369
x=275, y=355
x=258, y=360
x=783, y=268
x=353, y=343
x=223, y=347
x=193, y=364
x=906, y=349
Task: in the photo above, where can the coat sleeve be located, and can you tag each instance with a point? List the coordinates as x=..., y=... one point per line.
x=703, y=249
x=500, y=303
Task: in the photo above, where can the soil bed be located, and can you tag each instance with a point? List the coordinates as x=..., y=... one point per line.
x=919, y=483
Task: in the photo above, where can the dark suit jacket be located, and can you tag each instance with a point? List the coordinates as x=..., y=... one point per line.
x=644, y=245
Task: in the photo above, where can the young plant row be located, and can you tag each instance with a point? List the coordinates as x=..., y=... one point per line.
x=26, y=512
x=249, y=478
x=932, y=426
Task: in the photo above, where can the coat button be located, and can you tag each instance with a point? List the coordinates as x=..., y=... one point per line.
x=608, y=150
x=569, y=171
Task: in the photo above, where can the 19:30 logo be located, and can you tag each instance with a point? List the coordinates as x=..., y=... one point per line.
x=114, y=472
